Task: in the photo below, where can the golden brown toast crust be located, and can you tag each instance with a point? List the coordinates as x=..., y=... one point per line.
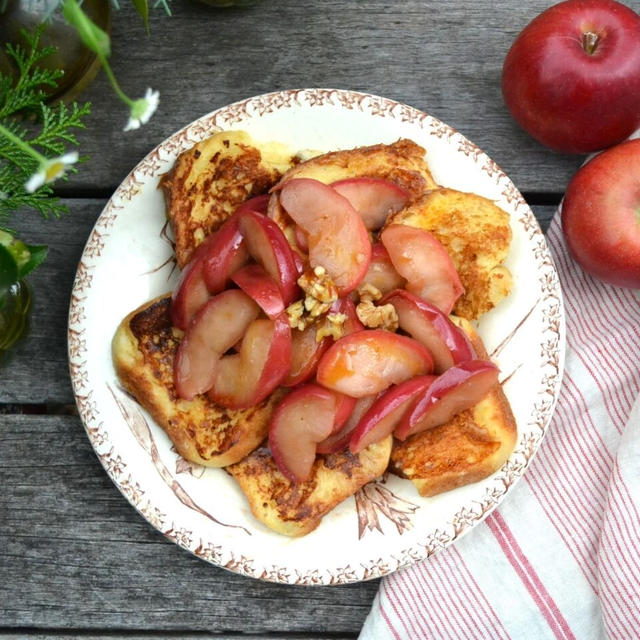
x=144, y=348
x=295, y=509
x=402, y=162
x=209, y=181
x=468, y=448
x=476, y=234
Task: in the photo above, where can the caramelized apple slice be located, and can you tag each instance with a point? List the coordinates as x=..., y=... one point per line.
x=373, y=198
x=306, y=352
x=339, y=440
x=458, y=388
x=246, y=378
x=259, y=204
x=381, y=273
x=428, y=325
x=369, y=361
x=344, y=407
x=191, y=292
x=338, y=239
x=268, y=246
x=419, y=257
x=261, y=287
x=347, y=307
x=227, y=253
x=305, y=417
x=381, y=419
x=219, y=324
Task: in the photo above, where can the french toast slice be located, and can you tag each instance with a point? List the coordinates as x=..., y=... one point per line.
x=143, y=349
x=295, y=509
x=211, y=179
x=471, y=446
x=476, y=234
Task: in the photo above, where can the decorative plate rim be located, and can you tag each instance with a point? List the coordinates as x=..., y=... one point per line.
x=552, y=339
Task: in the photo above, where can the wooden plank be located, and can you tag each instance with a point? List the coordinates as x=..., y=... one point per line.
x=74, y=553
x=38, y=364
x=443, y=60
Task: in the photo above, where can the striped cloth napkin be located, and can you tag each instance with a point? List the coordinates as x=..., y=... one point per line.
x=560, y=558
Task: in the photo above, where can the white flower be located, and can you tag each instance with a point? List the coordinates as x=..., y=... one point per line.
x=50, y=170
x=142, y=110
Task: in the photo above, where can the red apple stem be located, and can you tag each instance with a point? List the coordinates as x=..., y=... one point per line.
x=590, y=41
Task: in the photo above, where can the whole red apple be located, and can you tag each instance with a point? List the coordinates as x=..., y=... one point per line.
x=601, y=215
x=572, y=76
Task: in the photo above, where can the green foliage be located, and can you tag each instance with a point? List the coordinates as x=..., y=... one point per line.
x=22, y=99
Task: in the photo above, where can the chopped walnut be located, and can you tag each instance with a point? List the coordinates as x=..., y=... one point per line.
x=320, y=291
x=384, y=316
x=333, y=326
x=368, y=291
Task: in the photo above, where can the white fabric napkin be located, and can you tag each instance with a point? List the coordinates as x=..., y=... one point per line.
x=560, y=558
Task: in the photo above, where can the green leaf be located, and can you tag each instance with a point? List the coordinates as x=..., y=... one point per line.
x=94, y=38
x=142, y=7
x=37, y=254
x=8, y=270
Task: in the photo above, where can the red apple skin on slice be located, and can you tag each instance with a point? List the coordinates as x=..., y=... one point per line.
x=344, y=406
x=428, y=325
x=219, y=324
x=458, y=388
x=381, y=273
x=347, y=307
x=190, y=294
x=305, y=417
x=261, y=288
x=246, y=378
x=420, y=257
x=339, y=440
x=306, y=352
x=370, y=361
x=259, y=204
x=338, y=239
x=381, y=419
x=373, y=198
x=227, y=253
x=269, y=247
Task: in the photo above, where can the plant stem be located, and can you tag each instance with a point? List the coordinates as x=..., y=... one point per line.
x=114, y=83
x=21, y=144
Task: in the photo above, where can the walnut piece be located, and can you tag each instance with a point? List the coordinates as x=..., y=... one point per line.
x=382, y=317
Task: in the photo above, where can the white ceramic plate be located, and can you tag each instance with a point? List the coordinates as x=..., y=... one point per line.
x=388, y=525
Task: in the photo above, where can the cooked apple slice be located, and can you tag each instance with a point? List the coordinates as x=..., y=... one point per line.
x=347, y=307
x=219, y=324
x=338, y=239
x=369, y=361
x=381, y=273
x=191, y=292
x=419, y=257
x=373, y=198
x=306, y=352
x=246, y=378
x=259, y=204
x=344, y=407
x=428, y=325
x=305, y=417
x=339, y=440
x=227, y=252
x=458, y=388
x=268, y=246
x=385, y=413
x=261, y=287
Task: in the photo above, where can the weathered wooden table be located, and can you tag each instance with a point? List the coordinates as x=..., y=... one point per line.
x=76, y=560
